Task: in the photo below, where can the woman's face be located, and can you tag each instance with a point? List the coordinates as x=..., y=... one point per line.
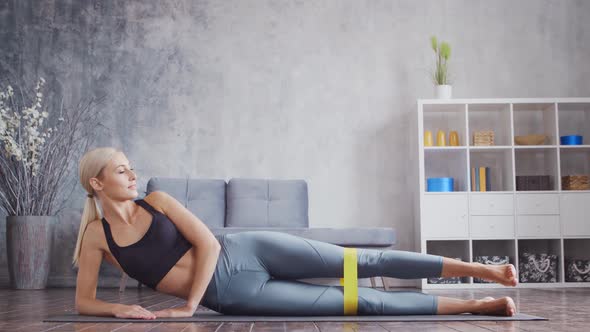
x=119, y=179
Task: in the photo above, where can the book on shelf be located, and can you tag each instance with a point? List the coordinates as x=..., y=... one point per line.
x=480, y=179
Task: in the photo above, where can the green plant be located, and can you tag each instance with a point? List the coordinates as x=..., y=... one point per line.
x=443, y=52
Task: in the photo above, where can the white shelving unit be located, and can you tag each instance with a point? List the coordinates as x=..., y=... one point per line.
x=465, y=223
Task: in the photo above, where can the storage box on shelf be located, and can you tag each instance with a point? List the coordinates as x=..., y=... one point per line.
x=577, y=270
x=530, y=213
x=575, y=182
x=577, y=260
x=537, y=267
x=539, y=261
x=533, y=182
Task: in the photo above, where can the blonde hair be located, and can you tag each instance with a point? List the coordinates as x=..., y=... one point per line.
x=91, y=165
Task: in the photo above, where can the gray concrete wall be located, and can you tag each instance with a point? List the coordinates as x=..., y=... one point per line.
x=320, y=90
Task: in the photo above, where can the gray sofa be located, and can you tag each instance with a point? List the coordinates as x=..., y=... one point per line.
x=245, y=204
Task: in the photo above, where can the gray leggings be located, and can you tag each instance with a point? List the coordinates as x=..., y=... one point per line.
x=256, y=272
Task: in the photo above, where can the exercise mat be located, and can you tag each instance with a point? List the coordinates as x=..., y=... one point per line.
x=211, y=316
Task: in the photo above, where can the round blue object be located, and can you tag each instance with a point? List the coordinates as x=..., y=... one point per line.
x=439, y=184
x=571, y=140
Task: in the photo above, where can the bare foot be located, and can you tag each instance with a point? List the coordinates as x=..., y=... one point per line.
x=485, y=299
x=503, y=306
x=504, y=274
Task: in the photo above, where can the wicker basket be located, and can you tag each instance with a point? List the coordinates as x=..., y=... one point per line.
x=575, y=182
x=485, y=137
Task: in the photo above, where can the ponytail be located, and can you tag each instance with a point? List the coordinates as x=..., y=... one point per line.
x=91, y=165
x=89, y=214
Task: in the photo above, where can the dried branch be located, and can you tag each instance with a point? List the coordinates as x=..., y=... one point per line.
x=36, y=161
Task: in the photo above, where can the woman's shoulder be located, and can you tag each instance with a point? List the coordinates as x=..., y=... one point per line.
x=157, y=199
x=95, y=225
x=95, y=234
x=97, y=239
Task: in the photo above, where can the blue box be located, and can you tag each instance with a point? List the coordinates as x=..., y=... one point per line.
x=439, y=184
x=571, y=140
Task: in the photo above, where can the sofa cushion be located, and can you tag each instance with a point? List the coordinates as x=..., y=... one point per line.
x=205, y=198
x=266, y=203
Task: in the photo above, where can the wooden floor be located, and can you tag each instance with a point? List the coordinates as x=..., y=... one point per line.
x=568, y=310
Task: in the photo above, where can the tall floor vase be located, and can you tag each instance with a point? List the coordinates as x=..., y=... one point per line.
x=28, y=245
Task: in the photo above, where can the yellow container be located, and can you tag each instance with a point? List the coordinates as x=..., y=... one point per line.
x=428, y=138
x=440, y=138
x=453, y=138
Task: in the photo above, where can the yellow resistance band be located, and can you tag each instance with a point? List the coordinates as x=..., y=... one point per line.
x=350, y=282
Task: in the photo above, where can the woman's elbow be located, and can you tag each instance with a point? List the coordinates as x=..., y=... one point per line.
x=214, y=244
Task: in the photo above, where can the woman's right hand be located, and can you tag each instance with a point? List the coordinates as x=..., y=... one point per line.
x=132, y=311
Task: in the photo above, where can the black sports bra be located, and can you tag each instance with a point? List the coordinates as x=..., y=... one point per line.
x=149, y=259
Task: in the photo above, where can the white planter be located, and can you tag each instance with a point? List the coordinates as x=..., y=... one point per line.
x=443, y=91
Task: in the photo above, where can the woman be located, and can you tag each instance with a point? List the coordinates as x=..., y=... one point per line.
x=157, y=241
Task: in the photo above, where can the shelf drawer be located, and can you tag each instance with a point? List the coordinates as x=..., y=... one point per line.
x=575, y=209
x=491, y=204
x=540, y=226
x=445, y=216
x=537, y=204
x=492, y=226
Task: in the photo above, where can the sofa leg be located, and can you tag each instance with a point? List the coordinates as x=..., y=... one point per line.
x=123, y=282
x=385, y=286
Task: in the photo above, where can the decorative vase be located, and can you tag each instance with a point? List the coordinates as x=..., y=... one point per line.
x=28, y=250
x=443, y=91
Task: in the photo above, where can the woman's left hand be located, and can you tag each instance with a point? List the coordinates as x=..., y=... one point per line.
x=184, y=311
